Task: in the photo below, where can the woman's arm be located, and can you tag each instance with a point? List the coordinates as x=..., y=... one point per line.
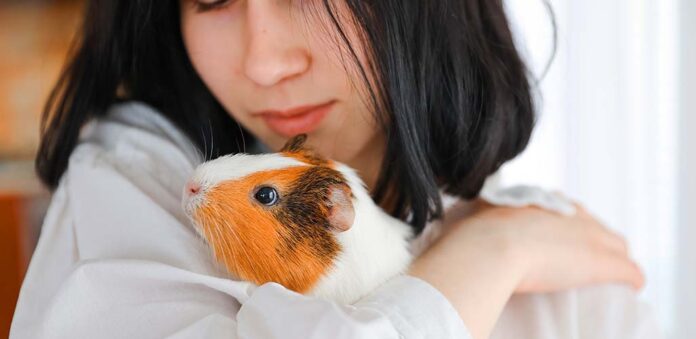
x=482, y=260
x=145, y=299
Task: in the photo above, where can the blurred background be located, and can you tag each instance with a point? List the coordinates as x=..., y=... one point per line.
x=614, y=130
x=34, y=40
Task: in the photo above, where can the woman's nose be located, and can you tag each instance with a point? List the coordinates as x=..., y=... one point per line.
x=275, y=50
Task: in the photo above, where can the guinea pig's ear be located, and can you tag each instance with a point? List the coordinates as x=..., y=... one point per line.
x=295, y=144
x=341, y=212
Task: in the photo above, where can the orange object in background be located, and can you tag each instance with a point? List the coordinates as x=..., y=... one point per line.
x=12, y=258
x=22, y=206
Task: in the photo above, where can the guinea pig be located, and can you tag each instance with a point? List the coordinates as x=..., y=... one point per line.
x=296, y=219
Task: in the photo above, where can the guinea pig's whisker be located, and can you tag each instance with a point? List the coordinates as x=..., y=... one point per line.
x=197, y=149
x=212, y=138
x=242, y=246
x=227, y=241
x=206, y=230
x=221, y=238
x=205, y=145
x=229, y=233
x=241, y=134
x=226, y=255
x=200, y=154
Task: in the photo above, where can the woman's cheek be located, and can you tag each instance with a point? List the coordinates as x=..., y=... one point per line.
x=214, y=48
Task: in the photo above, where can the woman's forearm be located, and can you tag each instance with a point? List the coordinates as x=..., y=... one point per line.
x=480, y=285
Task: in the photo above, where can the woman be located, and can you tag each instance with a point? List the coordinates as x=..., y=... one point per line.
x=419, y=96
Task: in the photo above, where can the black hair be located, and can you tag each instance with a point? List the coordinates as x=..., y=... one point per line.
x=452, y=94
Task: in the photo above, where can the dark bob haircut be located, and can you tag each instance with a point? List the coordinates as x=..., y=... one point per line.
x=453, y=95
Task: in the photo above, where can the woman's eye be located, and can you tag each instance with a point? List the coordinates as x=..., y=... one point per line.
x=208, y=5
x=267, y=196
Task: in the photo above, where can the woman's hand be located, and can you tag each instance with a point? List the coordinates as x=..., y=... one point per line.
x=481, y=260
x=556, y=252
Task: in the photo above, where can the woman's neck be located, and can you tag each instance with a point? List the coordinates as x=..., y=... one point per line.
x=368, y=163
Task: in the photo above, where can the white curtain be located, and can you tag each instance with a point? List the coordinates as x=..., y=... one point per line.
x=608, y=133
x=686, y=253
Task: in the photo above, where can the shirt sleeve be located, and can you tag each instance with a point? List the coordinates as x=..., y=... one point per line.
x=118, y=259
x=601, y=311
x=614, y=312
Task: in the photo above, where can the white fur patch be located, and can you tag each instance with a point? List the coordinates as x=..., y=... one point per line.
x=237, y=166
x=373, y=250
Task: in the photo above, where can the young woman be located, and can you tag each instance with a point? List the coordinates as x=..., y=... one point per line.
x=421, y=97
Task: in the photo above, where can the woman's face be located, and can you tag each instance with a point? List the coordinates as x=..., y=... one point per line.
x=277, y=68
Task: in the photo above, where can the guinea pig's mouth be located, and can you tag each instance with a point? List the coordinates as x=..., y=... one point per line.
x=191, y=207
x=192, y=201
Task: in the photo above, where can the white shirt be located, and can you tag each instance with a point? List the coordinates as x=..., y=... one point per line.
x=117, y=258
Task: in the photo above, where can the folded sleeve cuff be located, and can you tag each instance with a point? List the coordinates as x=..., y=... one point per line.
x=403, y=308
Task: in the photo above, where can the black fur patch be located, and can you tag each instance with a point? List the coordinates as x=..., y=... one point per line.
x=304, y=210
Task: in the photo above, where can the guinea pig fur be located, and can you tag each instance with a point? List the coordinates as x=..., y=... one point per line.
x=296, y=219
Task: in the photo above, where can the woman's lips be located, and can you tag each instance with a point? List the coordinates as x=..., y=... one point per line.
x=298, y=120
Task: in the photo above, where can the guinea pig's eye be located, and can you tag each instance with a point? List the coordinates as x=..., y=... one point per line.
x=267, y=196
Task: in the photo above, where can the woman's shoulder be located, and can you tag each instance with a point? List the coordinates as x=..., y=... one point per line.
x=133, y=131
x=136, y=142
x=122, y=189
x=127, y=171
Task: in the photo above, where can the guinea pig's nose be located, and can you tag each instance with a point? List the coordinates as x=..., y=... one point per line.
x=192, y=188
